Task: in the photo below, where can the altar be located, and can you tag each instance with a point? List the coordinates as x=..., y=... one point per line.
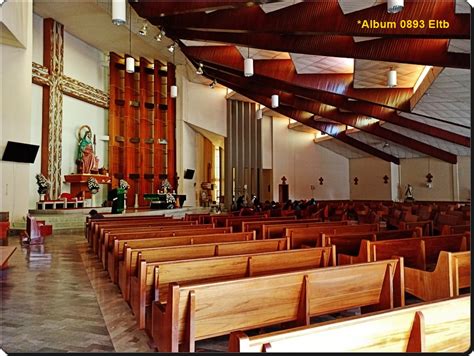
x=158, y=201
x=79, y=183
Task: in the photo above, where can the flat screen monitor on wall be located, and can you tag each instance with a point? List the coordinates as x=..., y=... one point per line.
x=20, y=152
x=189, y=174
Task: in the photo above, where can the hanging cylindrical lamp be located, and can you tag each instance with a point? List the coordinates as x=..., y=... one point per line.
x=119, y=11
x=275, y=100
x=259, y=114
x=173, y=91
x=248, y=67
x=130, y=65
x=394, y=6
x=392, y=78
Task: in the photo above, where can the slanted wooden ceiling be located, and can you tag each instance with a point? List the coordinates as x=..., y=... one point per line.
x=318, y=59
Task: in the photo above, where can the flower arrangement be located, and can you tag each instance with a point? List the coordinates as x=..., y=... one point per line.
x=166, y=186
x=123, y=184
x=93, y=185
x=43, y=184
x=170, y=198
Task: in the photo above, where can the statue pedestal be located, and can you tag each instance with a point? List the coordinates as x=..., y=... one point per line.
x=79, y=183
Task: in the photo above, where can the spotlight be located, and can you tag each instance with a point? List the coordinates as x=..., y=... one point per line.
x=171, y=47
x=158, y=37
x=213, y=84
x=199, y=70
x=144, y=30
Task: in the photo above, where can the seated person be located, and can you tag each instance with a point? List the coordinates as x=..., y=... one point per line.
x=94, y=214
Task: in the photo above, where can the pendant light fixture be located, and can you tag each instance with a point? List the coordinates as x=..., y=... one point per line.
x=392, y=78
x=275, y=101
x=248, y=64
x=130, y=61
x=119, y=11
x=174, y=88
x=394, y=6
x=259, y=114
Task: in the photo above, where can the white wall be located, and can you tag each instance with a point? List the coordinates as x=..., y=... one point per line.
x=414, y=171
x=370, y=172
x=302, y=162
x=37, y=39
x=201, y=106
x=15, y=63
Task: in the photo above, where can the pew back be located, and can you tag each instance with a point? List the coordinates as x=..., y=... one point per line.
x=200, y=311
x=426, y=327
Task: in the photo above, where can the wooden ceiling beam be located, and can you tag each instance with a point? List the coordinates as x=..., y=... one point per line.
x=283, y=76
x=321, y=17
x=413, y=51
x=332, y=113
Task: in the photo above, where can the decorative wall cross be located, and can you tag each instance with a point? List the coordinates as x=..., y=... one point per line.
x=321, y=180
x=356, y=181
x=283, y=180
x=51, y=77
x=429, y=178
x=385, y=179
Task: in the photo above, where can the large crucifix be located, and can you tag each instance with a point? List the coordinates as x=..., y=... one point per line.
x=51, y=77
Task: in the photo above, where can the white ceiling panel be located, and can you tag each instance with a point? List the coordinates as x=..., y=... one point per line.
x=449, y=97
x=342, y=148
x=311, y=64
x=462, y=7
x=373, y=74
x=363, y=39
x=380, y=143
x=459, y=46
x=430, y=140
x=275, y=6
x=258, y=54
x=192, y=43
x=348, y=6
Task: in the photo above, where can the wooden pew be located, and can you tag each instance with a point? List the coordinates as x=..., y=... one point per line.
x=418, y=252
x=257, y=225
x=452, y=273
x=237, y=222
x=158, y=225
x=153, y=279
x=220, y=220
x=349, y=244
x=425, y=225
x=164, y=241
x=129, y=266
x=199, y=311
x=459, y=229
x=278, y=231
x=442, y=326
x=107, y=243
x=118, y=241
x=91, y=223
x=312, y=236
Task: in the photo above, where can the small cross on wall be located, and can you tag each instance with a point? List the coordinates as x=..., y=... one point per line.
x=321, y=180
x=356, y=181
x=385, y=179
x=429, y=178
x=283, y=180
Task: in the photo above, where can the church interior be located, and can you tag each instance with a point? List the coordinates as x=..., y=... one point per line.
x=235, y=176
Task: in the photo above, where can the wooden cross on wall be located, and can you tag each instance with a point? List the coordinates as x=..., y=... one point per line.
x=51, y=77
